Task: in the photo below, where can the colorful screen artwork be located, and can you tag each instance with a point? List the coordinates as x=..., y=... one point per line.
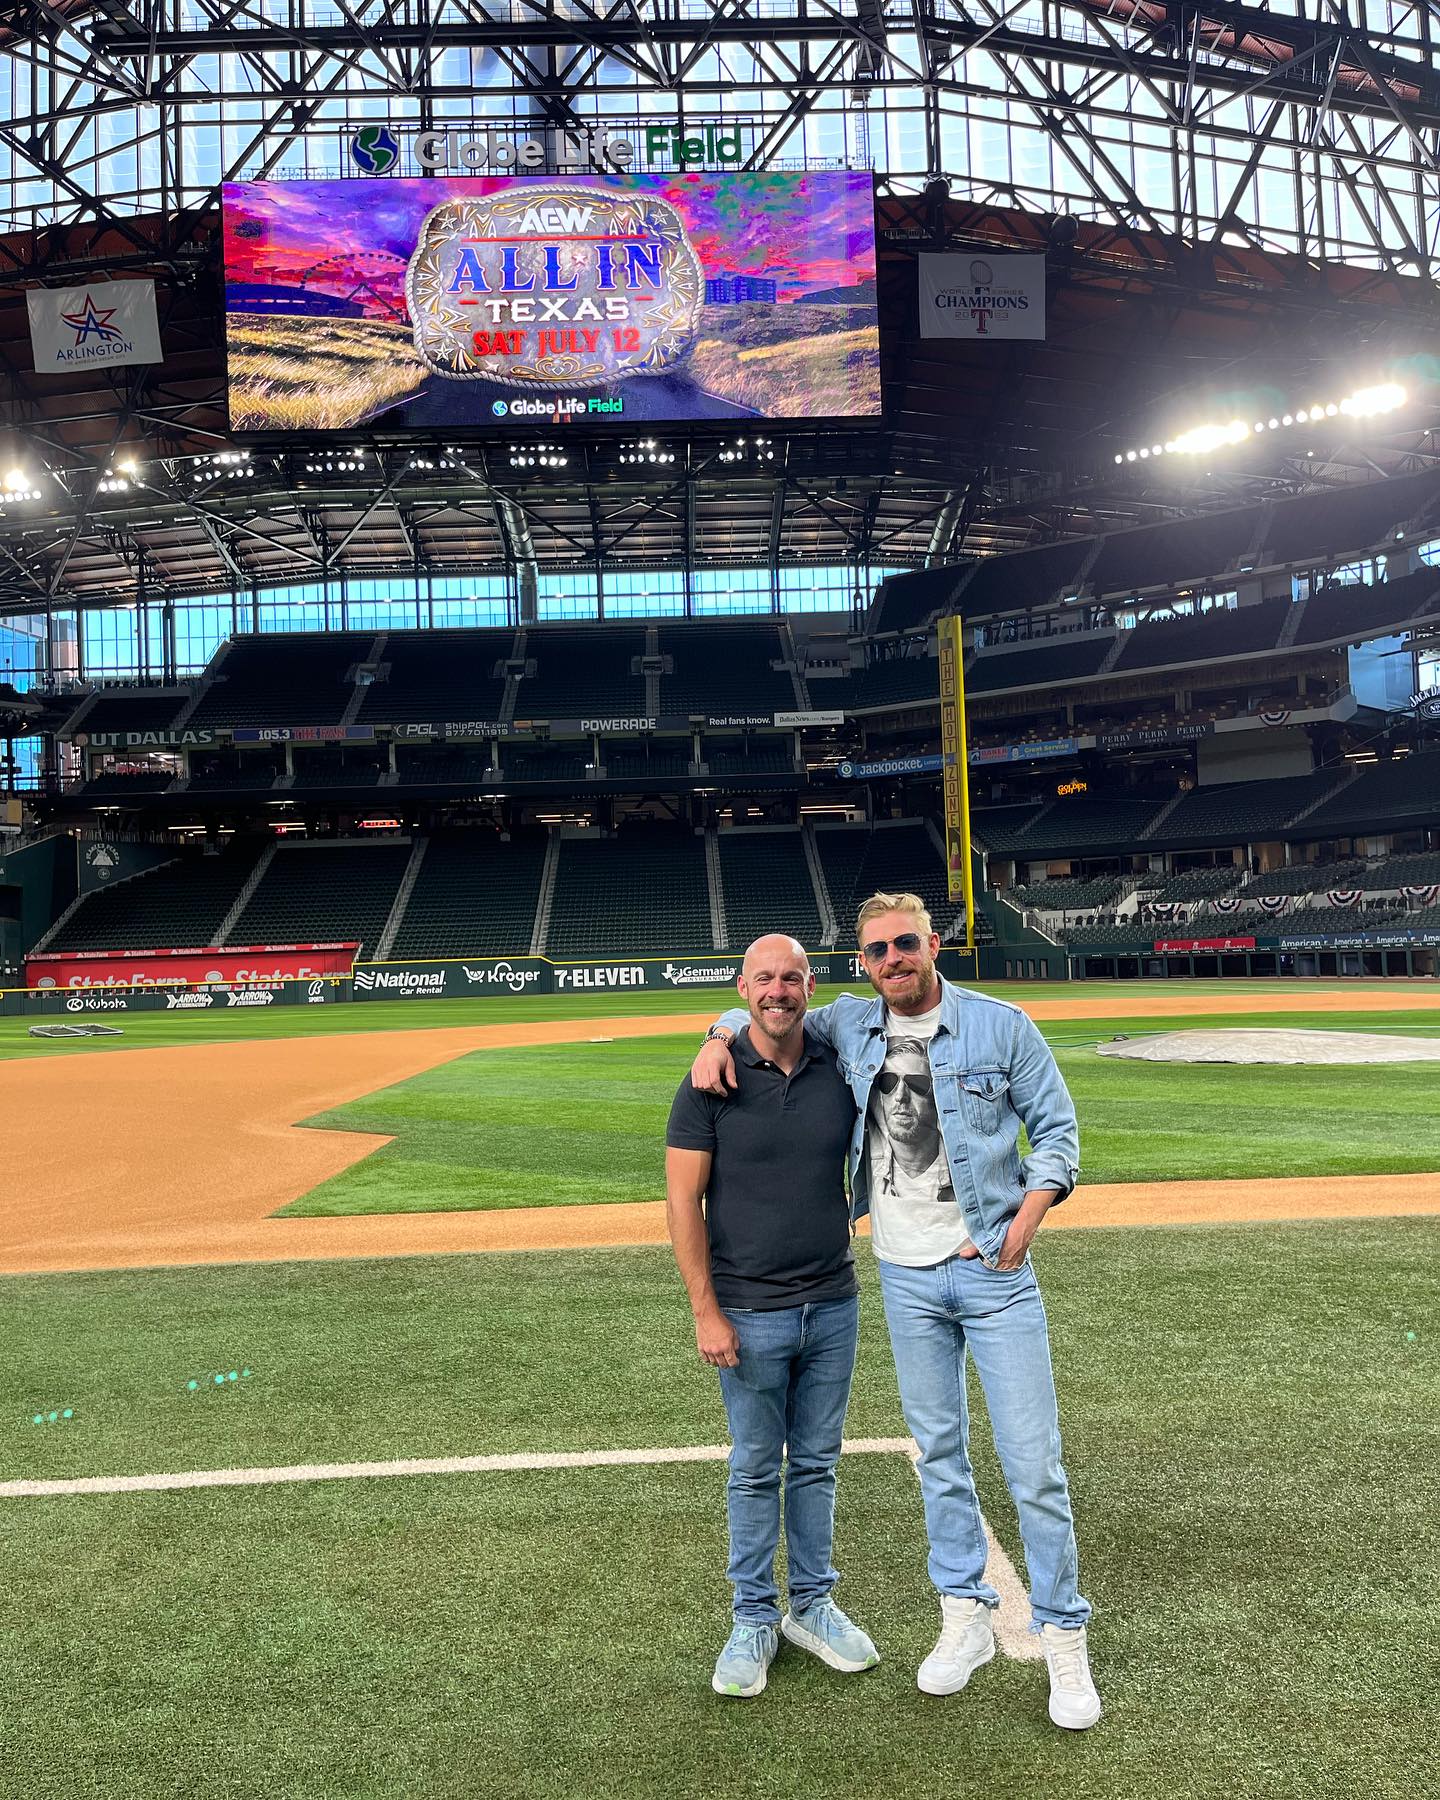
x=490, y=301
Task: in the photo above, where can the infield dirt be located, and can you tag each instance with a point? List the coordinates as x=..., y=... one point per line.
x=181, y=1155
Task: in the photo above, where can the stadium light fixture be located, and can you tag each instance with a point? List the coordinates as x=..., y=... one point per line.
x=20, y=484
x=1200, y=440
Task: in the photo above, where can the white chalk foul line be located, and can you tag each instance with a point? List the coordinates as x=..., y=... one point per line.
x=1011, y=1620
x=1012, y=1616
x=426, y=1465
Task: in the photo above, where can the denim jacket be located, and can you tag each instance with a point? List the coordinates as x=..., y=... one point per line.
x=993, y=1072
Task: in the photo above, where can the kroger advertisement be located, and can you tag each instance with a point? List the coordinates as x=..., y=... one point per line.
x=497, y=301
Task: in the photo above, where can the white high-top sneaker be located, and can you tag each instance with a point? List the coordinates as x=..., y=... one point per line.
x=1074, y=1703
x=967, y=1639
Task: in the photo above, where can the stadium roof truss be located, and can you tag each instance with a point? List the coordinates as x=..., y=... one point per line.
x=1220, y=163
x=1308, y=127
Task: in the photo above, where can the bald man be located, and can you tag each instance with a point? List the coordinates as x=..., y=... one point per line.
x=771, y=1281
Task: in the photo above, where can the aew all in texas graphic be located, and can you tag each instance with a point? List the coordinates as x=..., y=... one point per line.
x=606, y=299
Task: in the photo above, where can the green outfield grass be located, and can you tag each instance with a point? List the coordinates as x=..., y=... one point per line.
x=1251, y=1428
x=576, y=1124
x=149, y=1030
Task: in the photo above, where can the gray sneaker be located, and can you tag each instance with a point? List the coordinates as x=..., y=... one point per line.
x=745, y=1660
x=824, y=1631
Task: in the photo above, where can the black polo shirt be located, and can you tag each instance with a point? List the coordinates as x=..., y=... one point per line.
x=775, y=1206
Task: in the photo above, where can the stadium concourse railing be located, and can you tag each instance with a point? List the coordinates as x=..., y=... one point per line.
x=452, y=978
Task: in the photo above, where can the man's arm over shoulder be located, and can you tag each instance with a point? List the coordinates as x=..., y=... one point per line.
x=825, y=1023
x=713, y=1070
x=1040, y=1096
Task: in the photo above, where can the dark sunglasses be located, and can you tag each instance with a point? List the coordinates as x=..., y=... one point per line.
x=887, y=1081
x=907, y=944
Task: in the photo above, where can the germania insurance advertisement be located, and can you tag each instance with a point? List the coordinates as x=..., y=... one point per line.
x=480, y=300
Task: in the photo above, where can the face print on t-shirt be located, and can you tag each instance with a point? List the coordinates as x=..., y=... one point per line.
x=903, y=1115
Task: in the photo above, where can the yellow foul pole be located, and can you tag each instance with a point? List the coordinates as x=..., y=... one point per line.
x=954, y=745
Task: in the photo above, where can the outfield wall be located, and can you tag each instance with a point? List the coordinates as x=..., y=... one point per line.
x=452, y=978
x=61, y=1003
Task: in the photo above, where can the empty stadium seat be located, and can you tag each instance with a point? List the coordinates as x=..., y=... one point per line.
x=1315, y=527
x=141, y=710
x=1304, y=878
x=1356, y=612
x=283, y=678
x=890, y=681
x=724, y=668
x=767, y=886
x=1001, y=828
x=474, y=896
x=762, y=756
x=435, y=676
x=648, y=760
x=178, y=906
x=1383, y=794
x=859, y=860
x=644, y=890
x=1061, y=895
x=581, y=670
x=1041, y=662
x=1087, y=823
x=1025, y=578
x=106, y=786
x=1179, y=550
x=1239, y=812
x=325, y=893
x=1192, y=884
x=1199, y=637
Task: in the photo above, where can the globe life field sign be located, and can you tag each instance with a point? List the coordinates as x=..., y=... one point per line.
x=491, y=301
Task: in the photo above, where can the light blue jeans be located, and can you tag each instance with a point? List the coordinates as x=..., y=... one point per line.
x=934, y=1316
x=786, y=1401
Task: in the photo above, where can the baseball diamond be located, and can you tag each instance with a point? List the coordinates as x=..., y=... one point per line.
x=719, y=900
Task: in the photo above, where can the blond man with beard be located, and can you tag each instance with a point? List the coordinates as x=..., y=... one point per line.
x=943, y=1078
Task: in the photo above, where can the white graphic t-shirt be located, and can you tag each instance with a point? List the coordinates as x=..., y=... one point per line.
x=913, y=1216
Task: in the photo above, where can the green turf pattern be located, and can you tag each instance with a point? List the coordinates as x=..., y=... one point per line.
x=578, y=1124
x=1250, y=1424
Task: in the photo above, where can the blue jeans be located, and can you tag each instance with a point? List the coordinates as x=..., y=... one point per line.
x=786, y=1399
x=934, y=1316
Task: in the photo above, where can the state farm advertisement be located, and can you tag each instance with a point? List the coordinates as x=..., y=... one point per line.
x=244, y=963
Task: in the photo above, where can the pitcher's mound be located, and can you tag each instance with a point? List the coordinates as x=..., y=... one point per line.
x=1274, y=1047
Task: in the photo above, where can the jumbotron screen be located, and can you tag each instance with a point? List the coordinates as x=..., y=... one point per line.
x=492, y=301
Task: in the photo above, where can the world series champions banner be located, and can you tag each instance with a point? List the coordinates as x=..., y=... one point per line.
x=490, y=300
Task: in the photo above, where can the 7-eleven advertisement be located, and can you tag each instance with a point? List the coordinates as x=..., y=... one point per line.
x=188, y=968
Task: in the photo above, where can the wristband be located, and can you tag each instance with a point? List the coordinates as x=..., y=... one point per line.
x=720, y=1032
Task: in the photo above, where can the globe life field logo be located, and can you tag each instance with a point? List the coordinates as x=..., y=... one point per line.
x=375, y=148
